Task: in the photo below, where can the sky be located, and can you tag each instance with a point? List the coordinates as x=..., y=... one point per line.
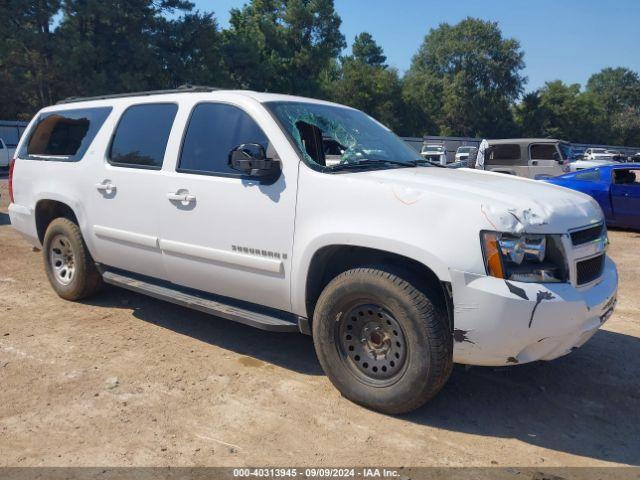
x=561, y=39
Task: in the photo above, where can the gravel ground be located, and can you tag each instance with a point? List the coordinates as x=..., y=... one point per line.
x=122, y=379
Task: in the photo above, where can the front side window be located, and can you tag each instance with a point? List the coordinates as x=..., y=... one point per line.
x=626, y=177
x=566, y=151
x=361, y=141
x=142, y=134
x=214, y=130
x=544, y=151
x=64, y=134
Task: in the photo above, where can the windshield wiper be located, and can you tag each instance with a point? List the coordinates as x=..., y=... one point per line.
x=367, y=163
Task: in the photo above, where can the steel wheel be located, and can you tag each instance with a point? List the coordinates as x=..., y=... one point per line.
x=372, y=343
x=62, y=259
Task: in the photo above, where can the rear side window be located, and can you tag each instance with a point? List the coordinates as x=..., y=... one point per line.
x=65, y=134
x=214, y=130
x=506, y=151
x=142, y=134
x=544, y=151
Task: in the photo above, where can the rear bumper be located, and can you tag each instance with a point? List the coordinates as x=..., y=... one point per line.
x=23, y=220
x=497, y=323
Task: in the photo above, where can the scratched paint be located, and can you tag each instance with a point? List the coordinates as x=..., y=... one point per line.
x=460, y=336
x=517, y=290
x=540, y=297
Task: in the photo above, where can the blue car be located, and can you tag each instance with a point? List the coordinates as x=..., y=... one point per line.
x=615, y=187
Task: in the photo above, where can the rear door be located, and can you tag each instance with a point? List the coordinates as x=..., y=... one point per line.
x=124, y=190
x=223, y=232
x=545, y=159
x=625, y=196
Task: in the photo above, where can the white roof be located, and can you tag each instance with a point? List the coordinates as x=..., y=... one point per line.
x=261, y=97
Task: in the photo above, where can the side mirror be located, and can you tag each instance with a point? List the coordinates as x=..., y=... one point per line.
x=251, y=159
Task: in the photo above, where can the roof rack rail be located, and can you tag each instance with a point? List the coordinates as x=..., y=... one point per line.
x=181, y=89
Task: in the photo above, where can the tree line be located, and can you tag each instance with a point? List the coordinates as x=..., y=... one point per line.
x=464, y=80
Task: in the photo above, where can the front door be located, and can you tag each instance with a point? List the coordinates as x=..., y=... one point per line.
x=545, y=160
x=122, y=193
x=223, y=232
x=625, y=196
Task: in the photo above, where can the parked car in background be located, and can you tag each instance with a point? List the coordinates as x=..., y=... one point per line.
x=223, y=201
x=597, y=157
x=603, y=154
x=577, y=153
x=434, y=154
x=587, y=164
x=463, y=153
x=6, y=154
x=528, y=157
x=616, y=188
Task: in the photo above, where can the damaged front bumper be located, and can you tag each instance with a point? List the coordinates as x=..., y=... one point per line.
x=498, y=322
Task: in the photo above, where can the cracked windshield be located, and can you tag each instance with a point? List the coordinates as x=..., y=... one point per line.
x=340, y=138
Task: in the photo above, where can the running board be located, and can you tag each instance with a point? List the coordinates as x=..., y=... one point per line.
x=202, y=302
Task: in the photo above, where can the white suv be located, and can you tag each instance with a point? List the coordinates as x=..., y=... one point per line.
x=222, y=201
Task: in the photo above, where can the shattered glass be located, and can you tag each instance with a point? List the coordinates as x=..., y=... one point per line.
x=358, y=136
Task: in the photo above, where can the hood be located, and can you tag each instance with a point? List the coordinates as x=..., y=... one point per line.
x=508, y=203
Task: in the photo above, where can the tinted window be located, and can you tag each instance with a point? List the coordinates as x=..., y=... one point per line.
x=505, y=152
x=589, y=176
x=65, y=134
x=626, y=177
x=544, y=151
x=214, y=130
x=142, y=135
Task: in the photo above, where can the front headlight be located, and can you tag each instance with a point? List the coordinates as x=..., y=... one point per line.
x=524, y=258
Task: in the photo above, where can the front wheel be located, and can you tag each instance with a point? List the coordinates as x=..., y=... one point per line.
x=382, y=342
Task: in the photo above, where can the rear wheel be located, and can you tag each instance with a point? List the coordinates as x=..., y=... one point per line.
x=383, y=342
x=71, y=271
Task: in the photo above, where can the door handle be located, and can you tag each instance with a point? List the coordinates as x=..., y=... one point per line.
x=181, y=197
x=106, y=186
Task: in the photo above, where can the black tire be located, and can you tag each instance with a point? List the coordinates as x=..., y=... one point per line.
x=382, y=300
x=63, y=240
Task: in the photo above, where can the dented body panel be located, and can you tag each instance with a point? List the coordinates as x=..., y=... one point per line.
x=499, y=322
x=435, y=216
x=428, y=214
